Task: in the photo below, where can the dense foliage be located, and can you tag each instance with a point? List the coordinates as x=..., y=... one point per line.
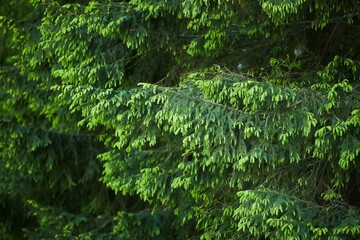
x=193, y=119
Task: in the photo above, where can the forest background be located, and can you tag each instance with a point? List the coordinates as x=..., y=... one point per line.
x=168, y=119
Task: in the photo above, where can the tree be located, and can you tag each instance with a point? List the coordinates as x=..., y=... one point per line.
x=49, y=171
x=204, y=120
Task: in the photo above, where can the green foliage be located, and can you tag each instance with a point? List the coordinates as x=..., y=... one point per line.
x=187, y=119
